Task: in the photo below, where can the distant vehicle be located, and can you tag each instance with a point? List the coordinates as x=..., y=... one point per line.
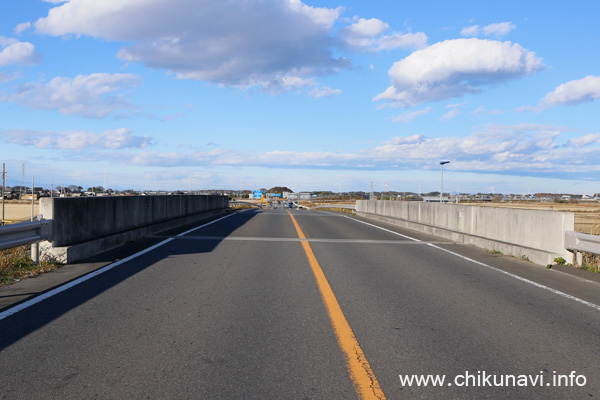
x=291, y=204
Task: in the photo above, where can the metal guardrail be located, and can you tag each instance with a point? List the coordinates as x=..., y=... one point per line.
x=25, y=233
x=576, y=241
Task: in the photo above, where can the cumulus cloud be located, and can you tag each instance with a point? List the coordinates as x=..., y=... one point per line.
x=15, y=52
x=253, y=43
x=496, y=29
x=525, y=149
x=77, y=140
x=90, y=96
x=368, y=34
x=498, y=149
x=573, y=92
x=454, y=68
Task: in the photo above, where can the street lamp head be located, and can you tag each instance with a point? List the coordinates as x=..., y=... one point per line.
x=444, y=162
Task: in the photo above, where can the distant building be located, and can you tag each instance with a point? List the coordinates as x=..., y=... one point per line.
x=434, y=199
x=297, y=196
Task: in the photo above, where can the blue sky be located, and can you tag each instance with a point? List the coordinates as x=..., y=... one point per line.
x=313, y=95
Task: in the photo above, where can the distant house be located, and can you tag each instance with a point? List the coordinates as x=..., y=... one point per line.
x=435, y=199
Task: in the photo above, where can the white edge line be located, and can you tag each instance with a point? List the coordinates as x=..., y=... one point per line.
x=60, y=289
x=539, y=285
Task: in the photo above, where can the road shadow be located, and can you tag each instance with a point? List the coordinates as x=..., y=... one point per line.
x=22, y=323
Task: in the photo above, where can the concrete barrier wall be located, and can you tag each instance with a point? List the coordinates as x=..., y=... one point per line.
x=81, y=219
x=536, y=234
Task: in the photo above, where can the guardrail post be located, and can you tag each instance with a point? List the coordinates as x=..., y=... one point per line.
x=35, y=252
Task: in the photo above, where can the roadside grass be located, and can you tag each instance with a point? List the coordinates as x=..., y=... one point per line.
x=344, y=210
x=16, y=264
x=591, y=262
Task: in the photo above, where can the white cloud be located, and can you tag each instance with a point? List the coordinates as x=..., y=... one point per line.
x=471, y=30
x=586, y=140
x=169, y=118
x=573, y=92
x=281, y=84
x=410, y=116
x=90, y=96
x=496, y=29
x=368, y=34
x=14, y=52
x=324, y=91
x=525, y=150
x=254, y=43
x=77, y=140
x=457, y=105
x=7, y=77
x=479, y=110
x=450, y=114
x=367, y=28
x=22, y=28
x=407, y=41
x=455, y=67
x=499, y=148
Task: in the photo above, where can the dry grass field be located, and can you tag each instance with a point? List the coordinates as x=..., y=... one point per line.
x=587, y=216
x=18, y=211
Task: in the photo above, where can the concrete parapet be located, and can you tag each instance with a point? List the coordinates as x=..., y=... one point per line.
x=537, y=235
x=86, y=226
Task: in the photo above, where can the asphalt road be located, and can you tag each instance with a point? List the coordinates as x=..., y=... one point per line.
x=233, y=311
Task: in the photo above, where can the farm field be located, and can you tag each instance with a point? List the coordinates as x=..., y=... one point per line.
x=18, y=211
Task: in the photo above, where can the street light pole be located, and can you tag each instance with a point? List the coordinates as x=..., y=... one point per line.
x=442, y=179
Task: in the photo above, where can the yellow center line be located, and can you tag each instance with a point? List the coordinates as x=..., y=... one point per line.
x=364, y=380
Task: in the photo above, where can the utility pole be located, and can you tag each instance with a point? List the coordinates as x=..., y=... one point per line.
x=371, y=195
x=22, y=180
x=3, y=189
x=35, y=252
x=32, y=190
